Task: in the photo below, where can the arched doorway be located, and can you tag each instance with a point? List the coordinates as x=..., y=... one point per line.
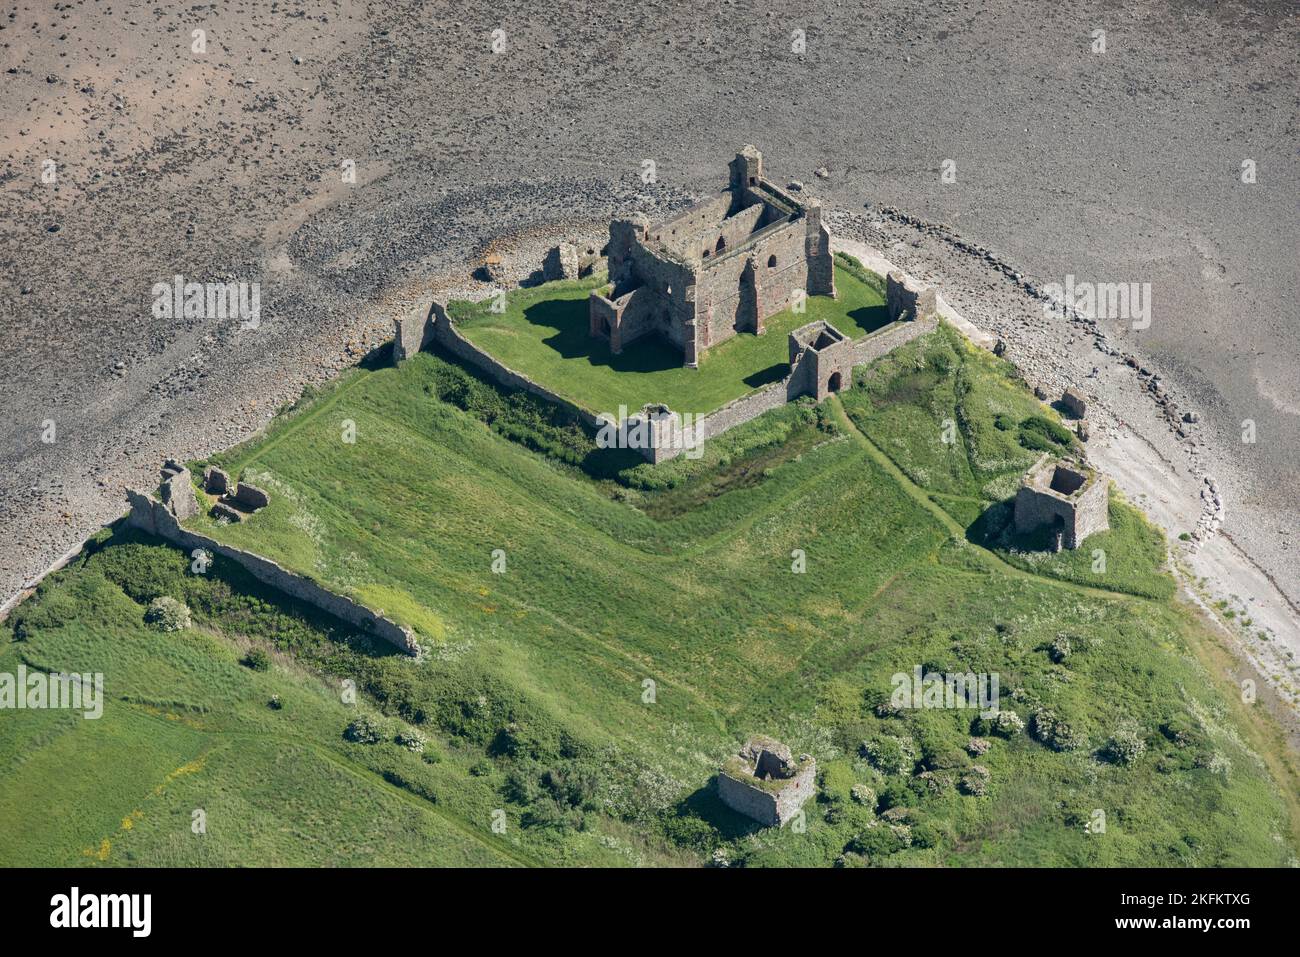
x=836, y=383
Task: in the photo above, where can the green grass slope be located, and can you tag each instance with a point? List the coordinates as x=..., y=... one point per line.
x=595, y=650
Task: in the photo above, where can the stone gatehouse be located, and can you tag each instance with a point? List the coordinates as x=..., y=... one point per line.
x=722, y=267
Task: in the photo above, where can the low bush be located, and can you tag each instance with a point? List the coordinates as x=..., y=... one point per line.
x=257, y=660
x=168, y=614
x=364, y=729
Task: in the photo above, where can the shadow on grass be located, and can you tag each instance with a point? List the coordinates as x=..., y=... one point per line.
x=995, y=530
x=569, y=319
x=773, y=373
x=708, y=807
x=608, y=463
x=870, y=318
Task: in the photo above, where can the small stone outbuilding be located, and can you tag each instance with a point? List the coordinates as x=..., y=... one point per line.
x=765, y=783
x=1069, y=497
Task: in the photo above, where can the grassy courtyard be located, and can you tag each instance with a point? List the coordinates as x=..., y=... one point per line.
x=596, y=649
x=544, y=334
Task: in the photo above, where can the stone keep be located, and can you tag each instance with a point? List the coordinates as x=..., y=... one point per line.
x=722, y=267
x=765, y=783
x=1070, y=498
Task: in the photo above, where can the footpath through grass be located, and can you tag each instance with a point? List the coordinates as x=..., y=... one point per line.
x=544, y=334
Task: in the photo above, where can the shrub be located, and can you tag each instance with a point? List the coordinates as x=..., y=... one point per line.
x=257, y=659
x=691, y=832
x=925, y=834
x=1182, y=731
x=168, y=614
x=1126, y=745
x=975, y=782
x=1003, y=723
x=977, y=746
x=411, y=739
x=864, y=795
x=888, y=754
x=1055, y=733
x=1043, y=435
x=144, y=572
x=364, y=730
x=837, y=780
x=275, y=704
x=881, y=840
x=1060, y=649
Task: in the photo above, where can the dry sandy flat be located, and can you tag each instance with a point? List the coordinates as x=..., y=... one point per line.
x=1122, y=166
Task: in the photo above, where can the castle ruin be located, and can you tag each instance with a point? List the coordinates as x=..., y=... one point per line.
x=1070, y=499
x=765, y=783
x=722, y=267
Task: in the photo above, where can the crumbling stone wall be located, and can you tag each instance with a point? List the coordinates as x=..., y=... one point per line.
x=886, y=340
x=627, y=318
x=1069, y=498
x=739, y=290
x=730, y=233
x=659, y=433
x=152, y=516
x=446, y=335
x=561, y=262
x=177, y=490
x=818, y=257
x=907, y=299
x=692, y=221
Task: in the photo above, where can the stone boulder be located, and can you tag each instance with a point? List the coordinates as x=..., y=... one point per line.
x=222, y=510
x=177, y=491
x=251, y=496
x=1074, y=404
x=215, y=481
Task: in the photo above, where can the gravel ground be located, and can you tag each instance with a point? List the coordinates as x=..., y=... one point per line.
x=1115, y=166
